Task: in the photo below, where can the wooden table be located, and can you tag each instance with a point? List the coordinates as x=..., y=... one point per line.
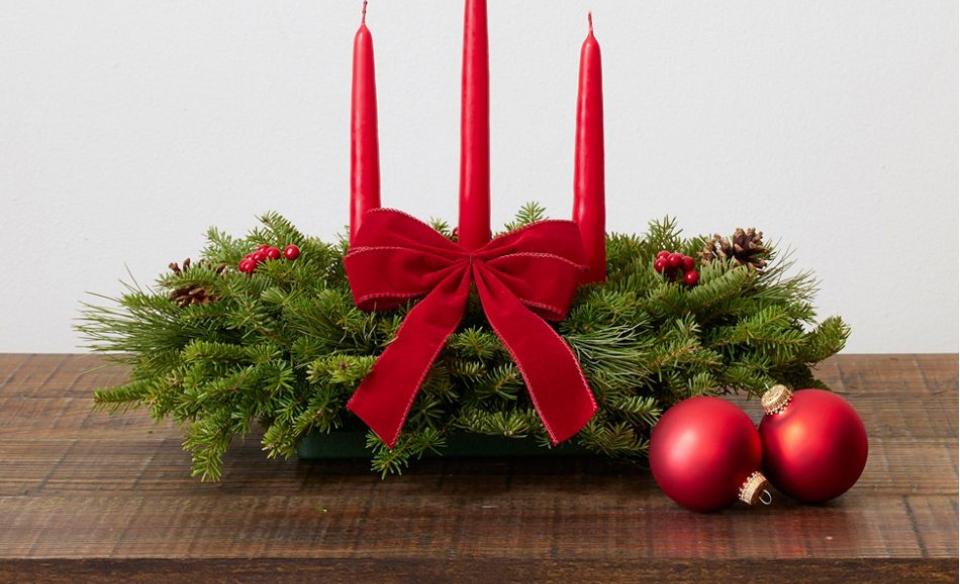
x=88, y=495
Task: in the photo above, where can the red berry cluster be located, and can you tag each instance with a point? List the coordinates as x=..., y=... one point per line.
x=266, y=252
x=676, y=265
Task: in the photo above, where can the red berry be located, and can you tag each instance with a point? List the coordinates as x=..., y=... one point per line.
x=263, y=246
x=662, y=254
x=687, y=263
x=273, y=253
x=291, y=252
x=660, y=264
x=691, y=278
x=674, y=260
x=259, y=256
x=247, y=265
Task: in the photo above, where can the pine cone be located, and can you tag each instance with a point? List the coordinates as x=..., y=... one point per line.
x=176, y=269
x=191, y=294
x=745, y=247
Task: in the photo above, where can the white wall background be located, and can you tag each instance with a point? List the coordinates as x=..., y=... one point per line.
x=127, y=127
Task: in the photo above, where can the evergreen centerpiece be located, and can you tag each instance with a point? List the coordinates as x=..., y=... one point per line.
x=432, y=337
x=283, y=347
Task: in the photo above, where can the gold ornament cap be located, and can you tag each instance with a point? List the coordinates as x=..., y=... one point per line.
x=755, y=489
x=775, y=399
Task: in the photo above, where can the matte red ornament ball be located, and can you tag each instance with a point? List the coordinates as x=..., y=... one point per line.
x=705, y=454
x=272, y=253
x=291, y=252
x=814, y=443
x=247, y=265
x=691, y=278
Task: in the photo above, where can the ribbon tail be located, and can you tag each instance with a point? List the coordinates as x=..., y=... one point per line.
x=557, y=387
x=384, y=397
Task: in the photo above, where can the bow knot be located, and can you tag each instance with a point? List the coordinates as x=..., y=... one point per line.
x=522, y=278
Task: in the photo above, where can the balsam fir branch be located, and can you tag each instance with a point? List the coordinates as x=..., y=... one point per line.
x=283, y=346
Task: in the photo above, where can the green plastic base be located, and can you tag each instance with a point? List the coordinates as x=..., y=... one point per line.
x=351, y=444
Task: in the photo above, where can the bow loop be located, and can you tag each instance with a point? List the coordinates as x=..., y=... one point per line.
x=392, y=228
x=401, y=274
x=524, y=274
x=551, y=236
x=521, y=277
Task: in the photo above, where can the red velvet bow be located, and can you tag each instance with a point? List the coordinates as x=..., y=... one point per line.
x=521, y=277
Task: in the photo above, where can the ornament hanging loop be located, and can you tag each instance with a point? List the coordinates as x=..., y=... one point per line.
x=765, y=497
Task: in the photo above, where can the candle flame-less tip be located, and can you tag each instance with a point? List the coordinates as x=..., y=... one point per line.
x=589, y=20
x=363, y=13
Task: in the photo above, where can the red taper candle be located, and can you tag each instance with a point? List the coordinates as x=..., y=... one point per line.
x=364, y=148
x=474, y=227
x=589, y=210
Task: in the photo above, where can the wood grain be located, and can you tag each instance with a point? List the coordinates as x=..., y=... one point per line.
x=414, y=571
x=88, y=495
